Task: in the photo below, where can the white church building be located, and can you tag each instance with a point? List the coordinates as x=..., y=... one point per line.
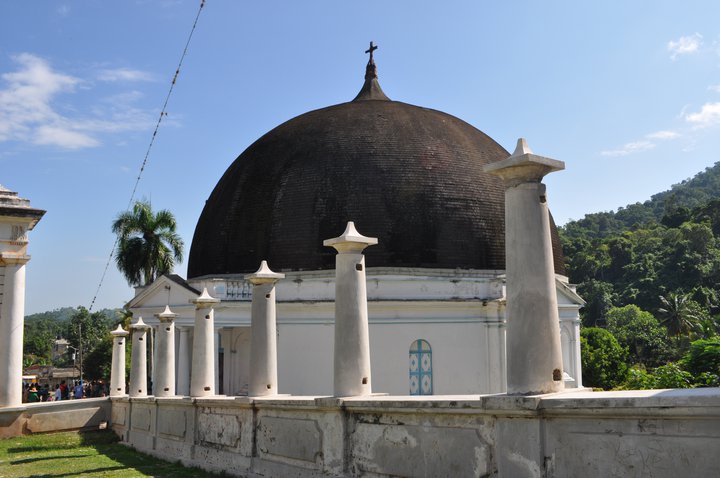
x=413, y=178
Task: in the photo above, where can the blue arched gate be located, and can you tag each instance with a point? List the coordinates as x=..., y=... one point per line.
x=421, y=382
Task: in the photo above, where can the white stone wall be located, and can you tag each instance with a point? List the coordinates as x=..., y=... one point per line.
x=658, y=433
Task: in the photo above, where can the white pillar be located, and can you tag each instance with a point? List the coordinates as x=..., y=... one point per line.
x=164, y=385
x=202, y=377
x=534, y=356
x=138, y=361
x=351, y=365
x=263, y=346
x=216, y=358
x=184, y=360
x=16, y=218
x=12, y=318
x=117, y=369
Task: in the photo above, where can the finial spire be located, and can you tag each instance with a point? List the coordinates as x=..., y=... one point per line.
x=371, y=50
x=371, y=69
x=371, y=89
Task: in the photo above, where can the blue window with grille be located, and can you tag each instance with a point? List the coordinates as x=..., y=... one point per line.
x=421, y=382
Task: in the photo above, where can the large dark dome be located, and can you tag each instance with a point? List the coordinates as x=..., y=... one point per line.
x=410, y=176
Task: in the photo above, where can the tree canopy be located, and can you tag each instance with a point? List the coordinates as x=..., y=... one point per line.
x=148, y=244
x=650, y=275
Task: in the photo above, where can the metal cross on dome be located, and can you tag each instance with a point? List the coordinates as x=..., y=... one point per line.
x=371, y=50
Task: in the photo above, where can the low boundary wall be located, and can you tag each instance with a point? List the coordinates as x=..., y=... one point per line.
x=54, y=416
x=658, y=433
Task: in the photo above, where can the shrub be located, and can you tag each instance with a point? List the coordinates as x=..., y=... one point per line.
x=603, y=359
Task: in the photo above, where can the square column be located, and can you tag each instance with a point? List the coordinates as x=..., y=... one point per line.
x=534, y=356
x=351, y=361
x=202, y=376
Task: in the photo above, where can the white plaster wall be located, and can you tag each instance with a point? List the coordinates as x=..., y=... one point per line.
x=305, y=354
x=457, y=357
x=236, y=347
x=305, y=358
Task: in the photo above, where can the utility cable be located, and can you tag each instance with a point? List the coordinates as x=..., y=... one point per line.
x=163, y=112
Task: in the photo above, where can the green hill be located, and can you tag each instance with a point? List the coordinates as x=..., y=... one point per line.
x=690, y=194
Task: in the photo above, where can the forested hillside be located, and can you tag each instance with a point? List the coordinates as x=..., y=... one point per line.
x=650, y=273
x=689, y=194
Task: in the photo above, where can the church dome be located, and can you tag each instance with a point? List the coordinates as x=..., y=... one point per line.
x=410, y=176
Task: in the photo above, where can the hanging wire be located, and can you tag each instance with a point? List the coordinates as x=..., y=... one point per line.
x=163, y=113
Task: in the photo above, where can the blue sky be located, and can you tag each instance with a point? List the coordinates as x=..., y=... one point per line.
x=626, y=93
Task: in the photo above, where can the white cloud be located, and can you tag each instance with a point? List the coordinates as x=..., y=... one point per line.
x=63, y=137
x=645, y=144
x=663, y=135
x=28, y=113
x=25, y=103
x=715, y=88
x=684, y=45
x=124, y=74
x=708, y=115
x=630, y=148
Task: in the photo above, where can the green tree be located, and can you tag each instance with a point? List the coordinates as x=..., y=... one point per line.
x=640, y=333
x=603, y=358
x=703, y=356
x=86, y=331
x=148, y=245
x=682, y=315
x=599, y=297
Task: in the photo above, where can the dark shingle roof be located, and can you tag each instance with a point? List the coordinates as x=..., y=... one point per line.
x=410, y=176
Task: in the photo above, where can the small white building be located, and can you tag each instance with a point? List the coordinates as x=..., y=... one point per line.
x=413, y=178
x=431, y=331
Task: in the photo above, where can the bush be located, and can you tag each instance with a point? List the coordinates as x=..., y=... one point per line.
x=672, y=376
x=603, y=359
x=703, y=357
x=638, y=379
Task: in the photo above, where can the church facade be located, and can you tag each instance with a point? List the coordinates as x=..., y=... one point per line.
x=412, y=177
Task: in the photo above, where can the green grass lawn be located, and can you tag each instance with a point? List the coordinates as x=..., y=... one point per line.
x=87, y=454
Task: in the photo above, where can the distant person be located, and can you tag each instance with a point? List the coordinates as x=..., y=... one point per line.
x=64, y=391
x=44, y=392
x=78, y=391
x=33, y=396
x=58, y=392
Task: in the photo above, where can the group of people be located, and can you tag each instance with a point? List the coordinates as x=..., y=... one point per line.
x=63, y=391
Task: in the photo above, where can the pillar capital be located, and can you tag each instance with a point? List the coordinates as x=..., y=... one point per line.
x=264, y=275
x=350, y=241
x=205, y=300
x=10, y=259
x=523, y=166
x=166, y=315
x=140, y=325
x=119, y=332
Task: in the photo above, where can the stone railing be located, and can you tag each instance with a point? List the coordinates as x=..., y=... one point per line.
x=238, y=290
x=90, y=413
x=659, y=433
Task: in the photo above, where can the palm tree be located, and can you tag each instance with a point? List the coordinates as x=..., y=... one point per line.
x=682, y=316
x=148, y=245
